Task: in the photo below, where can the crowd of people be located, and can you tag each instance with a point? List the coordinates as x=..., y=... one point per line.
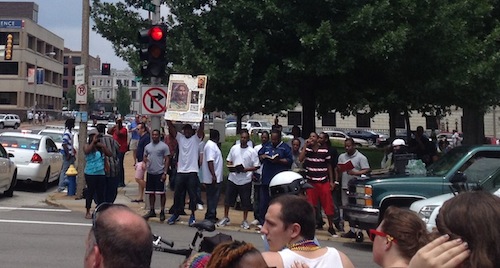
x=287, y=204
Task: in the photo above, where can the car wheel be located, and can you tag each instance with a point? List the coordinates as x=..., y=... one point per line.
x=10, y=191
x=16, y=125
x=45, y=183
x=1, y=125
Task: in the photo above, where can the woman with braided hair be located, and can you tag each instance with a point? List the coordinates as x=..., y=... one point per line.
x=236, y=254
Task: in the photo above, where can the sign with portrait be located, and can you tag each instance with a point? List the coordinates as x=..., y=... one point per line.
x=186, y=97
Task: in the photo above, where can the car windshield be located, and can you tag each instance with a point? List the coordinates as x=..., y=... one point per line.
x=56, y=137
x=265, y=124
x=2, y=116
x=445, y=163
x=20, y=142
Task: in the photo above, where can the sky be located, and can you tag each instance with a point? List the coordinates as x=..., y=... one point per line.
x=64, y=18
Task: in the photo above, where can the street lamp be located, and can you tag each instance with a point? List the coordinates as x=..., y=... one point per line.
x=51, y=54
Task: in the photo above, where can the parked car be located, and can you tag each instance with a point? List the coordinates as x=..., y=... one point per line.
x=231, y=128
x=8, y=173
x=257, y=126
x=336, y=135
x=428, y=209
x=448, y=136
x=369, y=197
x=370, y=136
x=36, y=156
x=10, y=120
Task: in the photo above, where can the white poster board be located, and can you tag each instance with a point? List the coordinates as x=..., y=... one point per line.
x=186, y=97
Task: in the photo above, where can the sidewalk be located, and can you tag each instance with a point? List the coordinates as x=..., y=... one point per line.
x=130, y=192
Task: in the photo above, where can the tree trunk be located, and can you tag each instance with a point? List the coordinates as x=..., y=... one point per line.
x=239, y=116
x=308, y=99
x=473, y=125
x=408, y=126
x=393, y=113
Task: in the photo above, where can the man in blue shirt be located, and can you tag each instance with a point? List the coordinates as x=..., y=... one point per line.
x=276, y=156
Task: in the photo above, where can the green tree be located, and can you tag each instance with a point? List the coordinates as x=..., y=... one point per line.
x=123, y=100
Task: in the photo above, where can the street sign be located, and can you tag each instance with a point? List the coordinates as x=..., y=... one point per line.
x=81, y=94
x=154, y=100
x=80, y=74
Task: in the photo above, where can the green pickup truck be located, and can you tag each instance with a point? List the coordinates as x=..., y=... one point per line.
x=368, y=198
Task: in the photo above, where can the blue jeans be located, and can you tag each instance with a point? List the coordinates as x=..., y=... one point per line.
x=263, y=202
x=185, y=182
x=63, y=177
x=213, y=194
x=111, y=189
x=121, y=169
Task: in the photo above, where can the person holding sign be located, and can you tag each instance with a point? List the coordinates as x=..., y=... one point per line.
x=351, y=165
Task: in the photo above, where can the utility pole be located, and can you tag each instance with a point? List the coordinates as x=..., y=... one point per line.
x=83, y=107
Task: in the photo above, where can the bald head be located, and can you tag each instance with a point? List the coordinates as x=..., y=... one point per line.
x=121, y=238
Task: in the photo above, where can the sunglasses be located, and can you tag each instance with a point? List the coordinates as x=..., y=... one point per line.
x=372, y=233
x=98, y=210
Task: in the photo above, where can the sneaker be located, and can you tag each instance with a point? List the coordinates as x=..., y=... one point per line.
x=173, y=219
x=332, y=232
x=162, y=216
x=255, y=222
x=225, y=221
x=245, y=225
x=339, y=226
x=192, y=220
x=199, y=206
x=151, y=214
x=349, y=234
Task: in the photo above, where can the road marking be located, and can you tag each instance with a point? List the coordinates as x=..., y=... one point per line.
x=36, y=209
x=47, y=222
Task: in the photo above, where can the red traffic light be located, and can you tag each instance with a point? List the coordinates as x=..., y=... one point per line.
x=156, y=33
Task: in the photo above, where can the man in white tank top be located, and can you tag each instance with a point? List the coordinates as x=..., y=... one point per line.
x=289, y=228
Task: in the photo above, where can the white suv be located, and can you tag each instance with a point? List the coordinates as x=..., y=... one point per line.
x=10, y=120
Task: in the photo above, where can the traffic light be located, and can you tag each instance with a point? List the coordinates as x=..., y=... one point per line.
x=105, y=69
x=153, y=42
x=8, y=47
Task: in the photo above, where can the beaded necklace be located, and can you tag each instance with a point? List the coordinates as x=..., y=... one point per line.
x=303, y=245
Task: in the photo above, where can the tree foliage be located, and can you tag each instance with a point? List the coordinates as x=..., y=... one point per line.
x=263, y=56
x=123, y=100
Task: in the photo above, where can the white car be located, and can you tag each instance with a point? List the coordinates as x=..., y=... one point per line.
x=8, y=173
x=231, y=128
x=340, y=136
x=257, y=126
x=37, y=157
x=10, y=120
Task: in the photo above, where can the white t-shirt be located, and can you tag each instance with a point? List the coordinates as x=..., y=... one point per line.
x=211, y=152
x=359, y=161
x=257, y=148
x=188, y=153
x=248, y=158
x=330, y=259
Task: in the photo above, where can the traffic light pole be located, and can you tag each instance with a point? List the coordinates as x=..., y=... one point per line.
x=156, y=119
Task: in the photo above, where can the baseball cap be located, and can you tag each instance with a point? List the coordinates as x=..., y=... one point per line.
x=398, y=142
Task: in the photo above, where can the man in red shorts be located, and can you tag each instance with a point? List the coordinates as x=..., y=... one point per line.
x=317, y=162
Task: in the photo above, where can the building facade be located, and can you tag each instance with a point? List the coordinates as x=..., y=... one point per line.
x=71, y=60
x=105, y=88
x=32, y=48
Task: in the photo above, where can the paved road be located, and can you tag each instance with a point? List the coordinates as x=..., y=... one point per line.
x=37, y=234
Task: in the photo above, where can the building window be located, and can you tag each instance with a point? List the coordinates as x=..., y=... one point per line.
x=9, y=68
x=65, y=83
x=134, y=83
x=76, y=60
x=431, y=122
x=108, y=82
x=100, y=82
x=294, y=118
x=329, y=119
x=65, y=71
x=125, y=83
x=133, y=94
x=66, y=59
x=362, y=120
x=93, y=82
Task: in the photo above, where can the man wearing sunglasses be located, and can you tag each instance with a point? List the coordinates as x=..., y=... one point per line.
x=118, y=238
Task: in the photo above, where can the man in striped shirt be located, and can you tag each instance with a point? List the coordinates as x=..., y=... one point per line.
x=319, y=173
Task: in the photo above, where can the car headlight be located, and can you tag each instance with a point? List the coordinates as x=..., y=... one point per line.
x=426, y=211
